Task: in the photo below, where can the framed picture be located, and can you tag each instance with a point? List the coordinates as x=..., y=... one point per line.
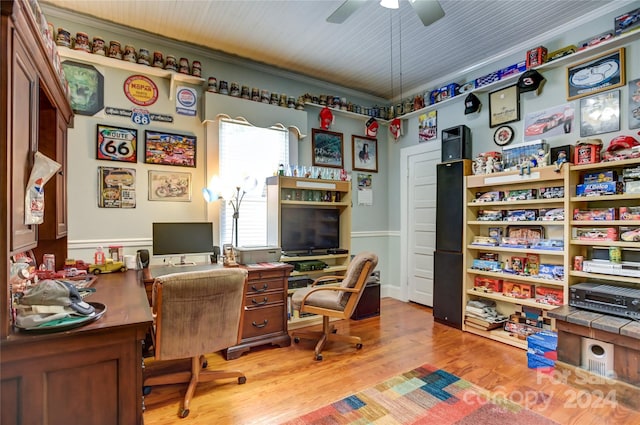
x=365, y=153
x=116, y=143
x=600, y=113
x=634, y=104
x=86, y=87
x=116, y=187
x=504, y=106
x=597, y=74
x=328, y=148
x=428, y=126
x=169, y=149
x=169, y=186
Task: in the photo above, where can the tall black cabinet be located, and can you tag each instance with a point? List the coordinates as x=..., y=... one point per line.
x=448, y=262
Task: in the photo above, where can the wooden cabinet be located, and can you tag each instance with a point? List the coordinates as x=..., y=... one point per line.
x=479, y=224
x=294, y=192
x=91, y=374
x=264, y=318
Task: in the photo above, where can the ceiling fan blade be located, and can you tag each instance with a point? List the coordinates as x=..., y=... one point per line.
x=428, y=11
x=345, y=10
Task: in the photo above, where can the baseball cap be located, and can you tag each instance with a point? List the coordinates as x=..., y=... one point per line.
x=59, y=293
x=530, y=80
x=371, y=127
x=471, y=104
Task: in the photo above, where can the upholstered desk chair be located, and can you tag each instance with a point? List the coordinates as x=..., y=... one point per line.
x=332, y=301
x=195, y=313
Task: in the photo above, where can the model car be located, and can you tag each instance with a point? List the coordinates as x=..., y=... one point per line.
x=629, y=213
x=557, y=54
x=552, y=192
x=108, y=267
x=484, y=240
x=555, y=214
x=488, y=197
x=489, y=215
x=632, y=235
x=594, y=214
x=521, y=215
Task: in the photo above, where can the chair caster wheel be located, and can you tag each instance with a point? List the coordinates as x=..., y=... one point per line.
x=242, y=380
x=319, y=357
x=183, y=413
x=358, y=346
x=296, y=339
x=146, y=390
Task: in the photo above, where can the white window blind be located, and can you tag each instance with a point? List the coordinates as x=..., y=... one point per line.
x=248, y=151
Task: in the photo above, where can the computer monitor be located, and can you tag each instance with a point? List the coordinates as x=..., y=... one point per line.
x=182, y=239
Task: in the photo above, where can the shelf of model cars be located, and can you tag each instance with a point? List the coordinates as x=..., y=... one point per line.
x=90, y=58
x=513, y=179
x=499, y=335
x=518, y=223
x=623, y=197
x=621, y=244
x=510, y=204
x=605, y=222
x=349, y=114
x=602, y=276
x=579, y=56
x=499, y=296
x=498, y=248
x=510, y=276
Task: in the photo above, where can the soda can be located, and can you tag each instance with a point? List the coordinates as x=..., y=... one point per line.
x=49, y=261
x=577, y=263
x=615, y=254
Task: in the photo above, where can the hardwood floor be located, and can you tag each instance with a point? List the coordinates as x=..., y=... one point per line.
x=283, y=383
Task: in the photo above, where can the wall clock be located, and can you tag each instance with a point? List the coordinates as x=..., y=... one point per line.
x=503, y=135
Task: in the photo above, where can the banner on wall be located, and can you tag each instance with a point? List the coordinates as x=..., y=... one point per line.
x=186, y=101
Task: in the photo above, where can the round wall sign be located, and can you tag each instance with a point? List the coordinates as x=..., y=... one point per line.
x=503, y=135
x=141, y=90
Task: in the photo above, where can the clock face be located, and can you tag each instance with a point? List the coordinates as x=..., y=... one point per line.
x=503, y=135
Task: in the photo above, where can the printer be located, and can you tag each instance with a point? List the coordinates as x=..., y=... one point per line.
x=258, y=254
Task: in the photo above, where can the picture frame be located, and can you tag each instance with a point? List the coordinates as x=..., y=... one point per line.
x=504, y=106
x=86, y=87
x=365, y=153
x=116, y=187
x=596, y=74
x=169, y=186
x=116, y=143
x=600, y=113
x=634, y=103
x=162, y=148
x=327, y=148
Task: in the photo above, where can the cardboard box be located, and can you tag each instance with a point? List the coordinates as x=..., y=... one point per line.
x=518, y=290
x=536, y=57
x=587, y=154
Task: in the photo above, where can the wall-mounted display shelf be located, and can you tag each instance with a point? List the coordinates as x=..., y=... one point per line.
x=349, y=114
x=173, y=76
x=509, y=283
x=566, y=60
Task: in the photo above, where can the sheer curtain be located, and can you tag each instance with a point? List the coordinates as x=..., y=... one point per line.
x=247, y=151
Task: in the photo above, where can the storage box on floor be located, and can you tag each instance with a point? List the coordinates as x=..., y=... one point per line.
x=542, y=349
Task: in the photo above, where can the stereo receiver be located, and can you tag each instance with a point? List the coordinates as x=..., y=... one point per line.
x=607, y=299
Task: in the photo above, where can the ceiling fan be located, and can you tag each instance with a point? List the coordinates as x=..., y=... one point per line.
x=428, y=11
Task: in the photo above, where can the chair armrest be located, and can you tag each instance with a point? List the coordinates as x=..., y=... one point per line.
x=327, y=288
x=324, y=278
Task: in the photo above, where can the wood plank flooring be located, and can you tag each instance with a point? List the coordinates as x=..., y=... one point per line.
x=283, y=383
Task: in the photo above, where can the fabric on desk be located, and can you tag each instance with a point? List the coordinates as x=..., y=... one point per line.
x=56, y=293
x=28, y=320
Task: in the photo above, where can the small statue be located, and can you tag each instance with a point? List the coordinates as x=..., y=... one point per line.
x=525, y=167
x=562, y=158
x=543, y=158
x=489, y=165
x=229, y=257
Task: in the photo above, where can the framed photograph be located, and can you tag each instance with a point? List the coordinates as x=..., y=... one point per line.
x=365, y=153
x=116, y=143
x=634, y=104
x=169, y=186
x=504, y=106
x=86, y=87
x=604, y=72
x=428, y=126
x=116, y=187
x=600, y=113
x=169, y=149
x=328, y=148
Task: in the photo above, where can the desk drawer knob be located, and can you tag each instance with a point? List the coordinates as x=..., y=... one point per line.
x=263, y=302
x=261, y=325
x=264, y=288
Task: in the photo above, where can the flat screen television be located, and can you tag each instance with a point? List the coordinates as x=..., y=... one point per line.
x=182, y=239
x=304, y=230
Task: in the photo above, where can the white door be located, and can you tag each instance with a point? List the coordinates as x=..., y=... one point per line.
x=420, y=213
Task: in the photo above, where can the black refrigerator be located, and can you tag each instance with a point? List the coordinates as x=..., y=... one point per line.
x=448, y=258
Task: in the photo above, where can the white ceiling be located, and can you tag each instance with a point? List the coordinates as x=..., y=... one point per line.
x=356, y=54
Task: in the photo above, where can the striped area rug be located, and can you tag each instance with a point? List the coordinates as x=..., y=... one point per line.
x=425, y=395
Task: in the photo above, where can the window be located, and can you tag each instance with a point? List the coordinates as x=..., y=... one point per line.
x=248, y=151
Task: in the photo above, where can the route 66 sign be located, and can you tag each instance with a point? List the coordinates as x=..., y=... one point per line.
x=117, y=144
x=140, y=116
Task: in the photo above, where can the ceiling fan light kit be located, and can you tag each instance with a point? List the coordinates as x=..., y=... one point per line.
x=429, y=11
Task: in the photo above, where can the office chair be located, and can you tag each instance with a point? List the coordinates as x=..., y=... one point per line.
x=195, y=313
x=332, y=301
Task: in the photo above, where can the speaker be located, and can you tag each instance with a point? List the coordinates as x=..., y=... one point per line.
x=456, y=143
x=143, y=263
x=449, y=209
x=447, y=288
x=216, y=253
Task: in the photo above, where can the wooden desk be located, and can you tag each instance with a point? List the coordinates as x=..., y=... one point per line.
x=264, y=313
x=91, y=374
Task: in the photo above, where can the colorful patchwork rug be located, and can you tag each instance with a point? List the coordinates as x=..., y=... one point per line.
x=426, y=395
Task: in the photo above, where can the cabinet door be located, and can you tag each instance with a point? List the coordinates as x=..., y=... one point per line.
x=23, y=145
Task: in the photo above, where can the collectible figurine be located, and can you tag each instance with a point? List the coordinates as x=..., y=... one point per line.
x=562, y=158
x=489, y=165
x=525, y=167
x=542, y=158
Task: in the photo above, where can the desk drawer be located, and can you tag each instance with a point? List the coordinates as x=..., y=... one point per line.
x=267, y=274
x=257, y=300
x=265, y=285
x=263, y=320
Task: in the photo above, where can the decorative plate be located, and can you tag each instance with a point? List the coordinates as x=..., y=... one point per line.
x=503, y=135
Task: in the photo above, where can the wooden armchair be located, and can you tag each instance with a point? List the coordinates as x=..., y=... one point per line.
x=334, y=301
x=195, y=313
